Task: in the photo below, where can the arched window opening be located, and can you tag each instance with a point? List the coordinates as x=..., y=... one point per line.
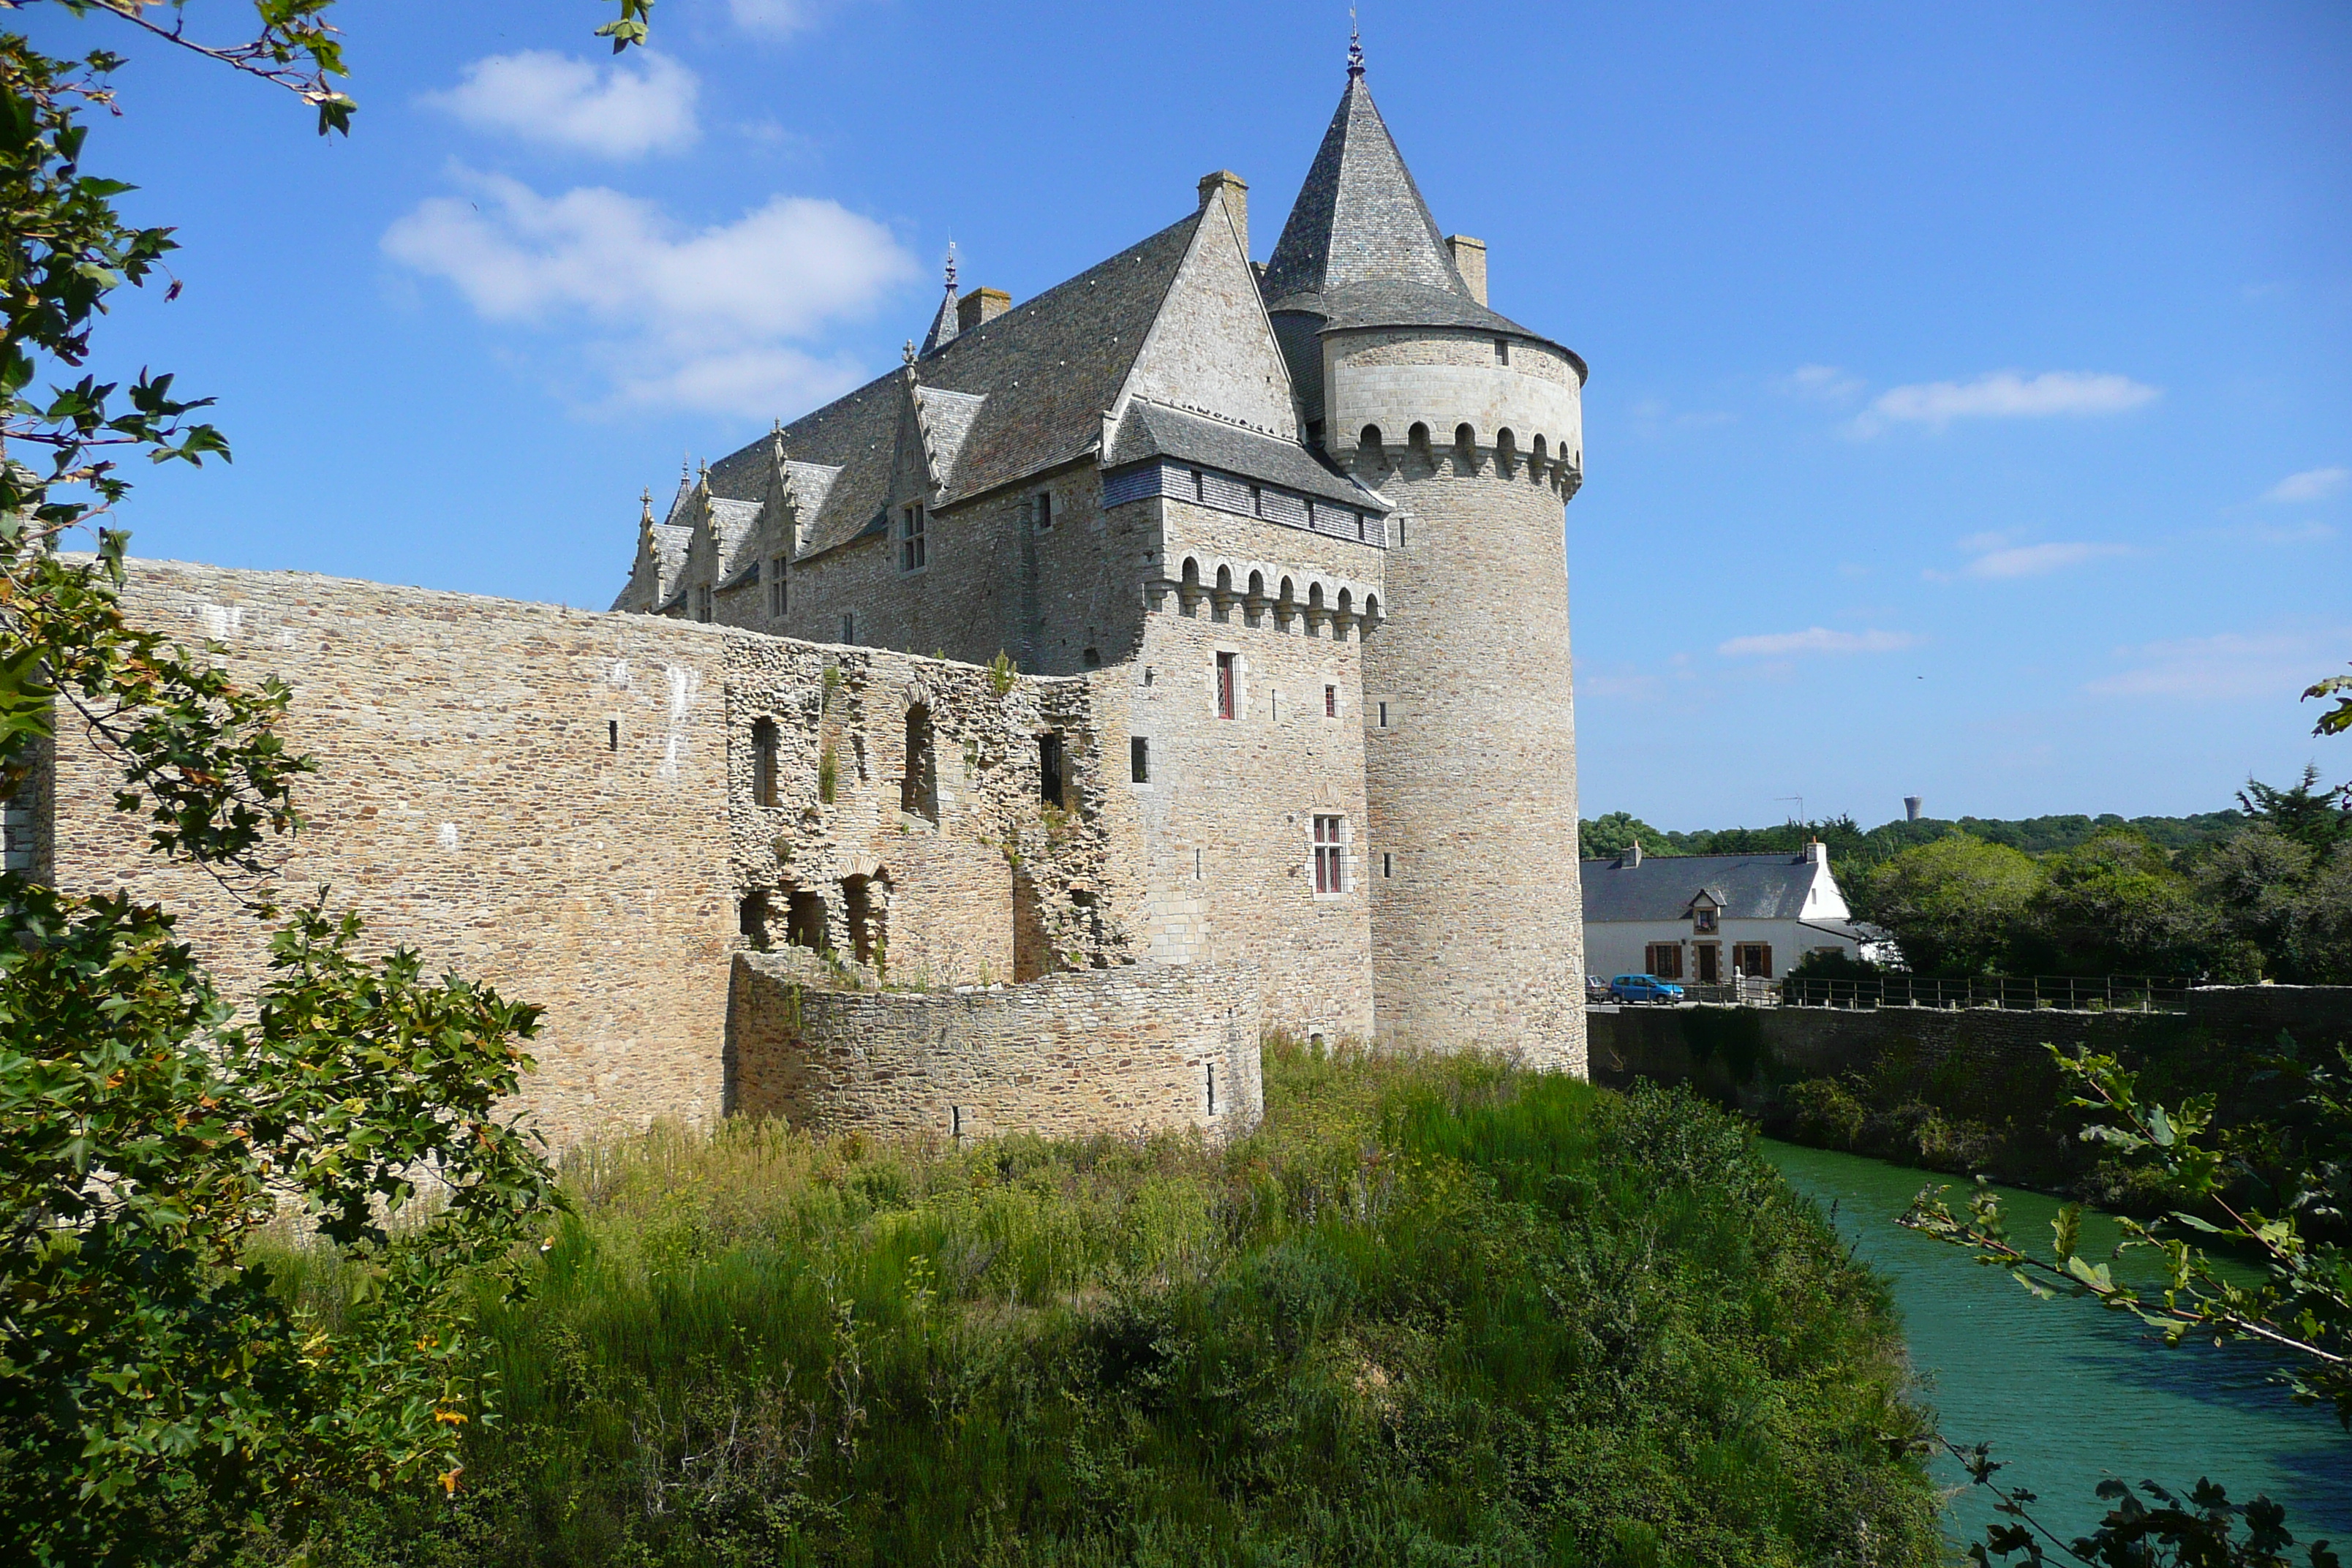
x=1505, y=449
x=1257, y=585
x=866, y=904
x=1192, y=572
x=1371, y=439
x=1418, y=437
x=1535, y=450
x=918, y=788
x=1224, y=579
x=1465, y=446
x=764, y=762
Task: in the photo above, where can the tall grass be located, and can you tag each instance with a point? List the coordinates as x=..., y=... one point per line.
x=1435, y=1311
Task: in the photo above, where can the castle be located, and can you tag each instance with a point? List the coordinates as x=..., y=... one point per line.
x=1178, y=654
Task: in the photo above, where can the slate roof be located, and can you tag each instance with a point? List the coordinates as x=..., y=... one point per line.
x=1155, y=430
x=1359, y=218
x=1360, y=248
x=1747, y=887
x=1048, y=368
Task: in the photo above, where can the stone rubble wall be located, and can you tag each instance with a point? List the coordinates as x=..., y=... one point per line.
x=562, y=804
x=528, y=795
x=1139, y=1049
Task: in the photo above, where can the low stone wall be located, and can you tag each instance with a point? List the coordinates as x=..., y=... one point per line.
x=1958, y=1089
x=1142, y=1047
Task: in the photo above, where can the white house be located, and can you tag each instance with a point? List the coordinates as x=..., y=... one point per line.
x=1703, y=917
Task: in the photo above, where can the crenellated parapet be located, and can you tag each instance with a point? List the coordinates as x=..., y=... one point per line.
x=1286, y=601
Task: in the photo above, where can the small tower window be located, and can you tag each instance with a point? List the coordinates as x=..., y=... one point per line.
x=1330, y=702
x=763, y=762
x=1139, y=759
x=777, y=601
x=1502, y=351
x=1228, y=683
x=706, y=604
x=1388, y=864
x=1384, y=715
x=611, y=734
x=848, y=628
x=912, y=522
x=1212, y=1089
x=1045, y=511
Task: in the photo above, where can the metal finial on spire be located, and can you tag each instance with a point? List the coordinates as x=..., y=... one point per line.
x=1355, y=48
x=910, y=351
x=646, y=503
x=952, y=265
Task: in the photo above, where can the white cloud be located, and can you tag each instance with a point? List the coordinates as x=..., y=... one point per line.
x=1825, y=382
x=712, y=319
x=1815, y=639
x=642, y=104
x=2312, y=484
x=2005, y=394
x=2038, y=560
x=2230, y=667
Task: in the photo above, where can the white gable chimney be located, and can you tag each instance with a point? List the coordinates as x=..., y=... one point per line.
x=1632, y=856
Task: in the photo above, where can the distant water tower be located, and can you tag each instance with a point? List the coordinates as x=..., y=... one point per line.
x=1911, y=805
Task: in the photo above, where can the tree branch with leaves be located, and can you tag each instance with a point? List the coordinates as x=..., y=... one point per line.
x=156, y=1384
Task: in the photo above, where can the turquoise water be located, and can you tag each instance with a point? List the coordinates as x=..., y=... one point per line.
x=2069, y=1393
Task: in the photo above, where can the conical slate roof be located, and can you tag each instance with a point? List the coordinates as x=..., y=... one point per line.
x=1359, y=218
x=1360, y=248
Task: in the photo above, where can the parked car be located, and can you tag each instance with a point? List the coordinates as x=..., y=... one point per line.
x=1644, y=988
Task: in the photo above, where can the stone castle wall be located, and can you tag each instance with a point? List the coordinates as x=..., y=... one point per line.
x=525, y=793
x=1147, y=1048
x=569, y=806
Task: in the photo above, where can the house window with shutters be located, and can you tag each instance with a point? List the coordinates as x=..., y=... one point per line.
x=1663, y=959
x=1330, y=856
x=1753, y=959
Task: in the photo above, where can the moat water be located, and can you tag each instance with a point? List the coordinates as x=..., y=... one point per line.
x=2068, y=1393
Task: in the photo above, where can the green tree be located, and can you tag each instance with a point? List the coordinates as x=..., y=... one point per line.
x=1616, y=833
x=1955, y=907
x=2319, y=819
x=2116, y=905
x=156, y=1383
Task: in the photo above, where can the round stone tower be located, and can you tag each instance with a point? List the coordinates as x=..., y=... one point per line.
x=1472, y=427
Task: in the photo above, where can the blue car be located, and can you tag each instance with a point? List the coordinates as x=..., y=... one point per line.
x=1644, y=988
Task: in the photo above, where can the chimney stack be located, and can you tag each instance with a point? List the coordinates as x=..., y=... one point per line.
x=1632, y=856
x=1470, y=260
x=1817, y=853
x=1236, y=191
x=980, y=305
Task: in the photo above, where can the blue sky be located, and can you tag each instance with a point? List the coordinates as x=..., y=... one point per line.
x=1971, y=398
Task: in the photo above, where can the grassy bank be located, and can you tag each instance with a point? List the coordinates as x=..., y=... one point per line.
x=1432, y=1312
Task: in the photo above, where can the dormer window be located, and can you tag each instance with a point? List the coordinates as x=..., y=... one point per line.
x=1703, y=915
x=912, y=521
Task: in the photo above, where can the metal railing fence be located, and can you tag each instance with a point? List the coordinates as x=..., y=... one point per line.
x=2109, y=993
